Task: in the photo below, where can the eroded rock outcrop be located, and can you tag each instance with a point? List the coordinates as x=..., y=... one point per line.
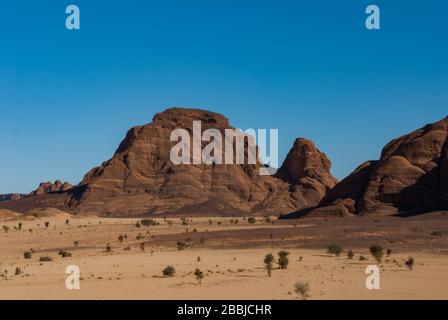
x=308, y=172
x=411, y=176
x=47, y=187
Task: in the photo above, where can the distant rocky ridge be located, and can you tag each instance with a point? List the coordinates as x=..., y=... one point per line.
x=44, y=187
x=140, y=178
x=10, y=197
x=411, y=177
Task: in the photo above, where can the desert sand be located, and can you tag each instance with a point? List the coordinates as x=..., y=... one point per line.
x=230, y=256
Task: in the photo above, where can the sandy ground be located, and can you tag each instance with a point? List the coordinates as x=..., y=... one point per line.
x=232, y=265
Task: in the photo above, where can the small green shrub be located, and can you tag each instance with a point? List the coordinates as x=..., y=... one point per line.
x=269, y=263
x=283, y=259
x=181, y=245
x=18, y=271
x=64, y=254
x=377, y=252
x=410, y=263
x=350, y=254
x=335, y=249
x=199, y=275
x=169, y=271
x=302, y=289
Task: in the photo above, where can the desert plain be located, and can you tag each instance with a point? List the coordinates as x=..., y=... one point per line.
x=120, y=258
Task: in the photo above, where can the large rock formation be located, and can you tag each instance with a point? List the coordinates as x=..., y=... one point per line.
x=411, y=176
x=308, y=172
x=141, y=179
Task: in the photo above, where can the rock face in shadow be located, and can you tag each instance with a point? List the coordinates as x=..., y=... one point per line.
x=140, y=178
x=411, y=176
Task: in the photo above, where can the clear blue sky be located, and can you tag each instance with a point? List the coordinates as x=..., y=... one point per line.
x=308, y=68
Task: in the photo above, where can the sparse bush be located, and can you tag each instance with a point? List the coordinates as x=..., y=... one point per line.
x=20, y=225
x=302, y=289
x=139, y=237
x=410, y=263
x=335, y=249
x=108, y=248
x=267, y=219
x=27, y=255
x=45, y=259
x=251, y=220
x=76, y=243
x=148, y=222
x=269, y=262
x=169, y=271
x=362, y=258
x=283, y=259
x=199, y=275
x=388, y=252
x=137, y=224
x=350, y=254
x=64, y=254
x=47, y=224
x=120, y=238
x=377, y=252
x=181, y=245
x=184, y=221
x=67, y=222
x=142, y=247
x=5, y=229
x=18, y=271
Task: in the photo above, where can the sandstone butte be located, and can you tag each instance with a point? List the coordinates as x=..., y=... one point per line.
x=141, y=180
x=411, y=177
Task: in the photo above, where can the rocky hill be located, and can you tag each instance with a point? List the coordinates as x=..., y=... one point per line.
x=411, y=177
x=140, y=179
